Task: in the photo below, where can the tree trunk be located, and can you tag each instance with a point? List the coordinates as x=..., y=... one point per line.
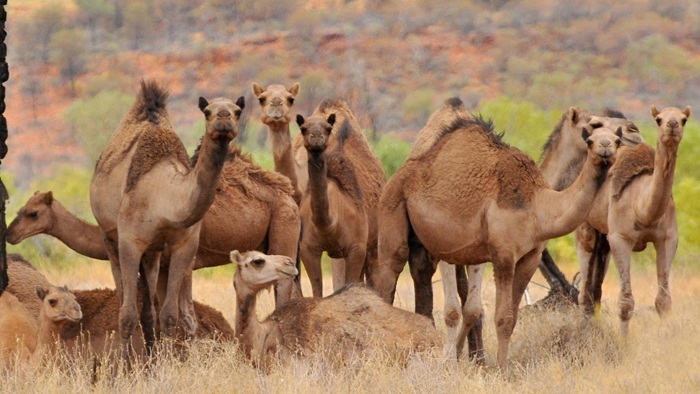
x=4, y=74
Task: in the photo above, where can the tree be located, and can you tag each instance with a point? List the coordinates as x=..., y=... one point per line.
x=47, y=21
x=68, y=51
x=93, y=13
x=137, y=22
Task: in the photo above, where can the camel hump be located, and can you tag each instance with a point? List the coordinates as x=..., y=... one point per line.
x=631, y=163
x=152, y=101
x=613, y=113
x=344, y=132
x=454, y=102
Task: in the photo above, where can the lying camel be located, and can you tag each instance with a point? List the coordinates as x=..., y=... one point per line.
x=635, y=207
x=460, y=200
x=30, y=339
x=352, y=320
x=24, y=281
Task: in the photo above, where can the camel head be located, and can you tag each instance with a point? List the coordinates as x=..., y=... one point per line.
x=35, y=217
x=316, y=130
x=59, y=304
x=276, y=102
x=613, y=119
x=258, y=271
x=221, y=117
x=671, y=122
x=602, y=144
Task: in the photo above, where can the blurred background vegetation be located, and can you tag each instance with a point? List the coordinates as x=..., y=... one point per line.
x=75, y=66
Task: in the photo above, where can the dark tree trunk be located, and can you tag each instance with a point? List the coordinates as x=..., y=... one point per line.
x=4, y=74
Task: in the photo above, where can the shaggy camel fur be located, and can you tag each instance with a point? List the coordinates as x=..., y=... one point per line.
x=635, y=207
x=24, y=281
x=253, y=210
x=143, y=155
x=100, y=309
x=563, y=156
x=462, y=198
x=352, y=320
x=336, y=220
x=28, y=338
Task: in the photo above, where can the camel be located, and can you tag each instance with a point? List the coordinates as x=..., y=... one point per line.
x=29, y=338
x=460, y=199
x=100, y=311
x=636, y=207
x=253, y=210
x=332, y=207
x=352, y=320
x=144, y=154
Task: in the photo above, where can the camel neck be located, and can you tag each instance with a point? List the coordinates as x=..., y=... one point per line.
x=560, y=212
x=79, y=235
x=48, y=334
x=246, y=325
x=318, y=190
x=283, y=156
x=561, y=170
x=201, y=183
x=661, y=189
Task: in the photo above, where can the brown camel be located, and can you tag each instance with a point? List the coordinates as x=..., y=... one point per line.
x=635, y=207
x=332, y=207
x=353, y=320
x=143, y=155
x=461, y=199
x=253, y=210
x=29, y=338
x=100, y=311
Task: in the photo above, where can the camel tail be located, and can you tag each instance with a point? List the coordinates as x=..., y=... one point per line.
x=151, y=102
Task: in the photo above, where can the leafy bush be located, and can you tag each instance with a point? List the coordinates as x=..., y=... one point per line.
x=392, y=152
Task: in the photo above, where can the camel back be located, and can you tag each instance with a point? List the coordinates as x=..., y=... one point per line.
x=438, y=122
x=147, y=128
x=24, y=279
x=631, y=163
x=356, y=149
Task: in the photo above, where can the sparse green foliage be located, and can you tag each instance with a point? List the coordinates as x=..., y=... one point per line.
x=46, y=22
x=137, y=23
x=68, y=51
x=417, y=106
x=392, y=152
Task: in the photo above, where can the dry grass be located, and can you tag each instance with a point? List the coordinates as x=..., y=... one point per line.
x=554, y=351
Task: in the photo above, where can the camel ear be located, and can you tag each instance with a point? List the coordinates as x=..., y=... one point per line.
x=41, y=292
x=236, y=256
x=257, y=89
x=300, y=120
x=241, y=102
x=294, y=90
x=48, y=198
x=331, y=119
x=619, y=132
x=36, y=192
x=573, y=115
x=203, y=103
x=686, y=112
x=654, y=111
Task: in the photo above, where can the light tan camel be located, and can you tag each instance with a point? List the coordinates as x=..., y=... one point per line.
x=253, y=210
x=27, y=338
x=100, y=312
x=144, y=155
x=354, y=320
x=276, y=102
x=332, y=209
x=636, y=206
x=462, y=198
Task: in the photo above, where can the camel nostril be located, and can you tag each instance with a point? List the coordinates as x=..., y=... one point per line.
x=673, y=124
x=224, y=114
x=276, y=101
x=605, y=143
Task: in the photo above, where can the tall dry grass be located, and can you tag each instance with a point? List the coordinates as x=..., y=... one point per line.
x=551, y=351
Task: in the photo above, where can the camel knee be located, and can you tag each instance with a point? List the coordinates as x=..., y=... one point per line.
x=663, y=303
x=471, y=316
x=504, y=326
x=168, y=324
x=626, y=307
x=128, y=318
x=452, y=317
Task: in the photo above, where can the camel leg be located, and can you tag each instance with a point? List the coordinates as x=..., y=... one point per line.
x=452, y=310
x=355, y=263
x=130, y=254
x=503, y=270
x=622, y=251
x=423, y=268
x=584, y=248
x=113, y=255
x=338, y=266
x=282, y=240
x=186, y=303
x=162, y=287
x=524, y=269
x=149, y=271
x=181, y=265
x=393, y=250
x=371, y=262
x=312, y=263
x=665, y=251
x=472, y=312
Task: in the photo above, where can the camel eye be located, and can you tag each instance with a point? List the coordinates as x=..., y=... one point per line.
x=589, y=142
x=53, y=302
x=683, y=121
x=291, y=100
x=207, y=113
x=618, y=142
x=658, y=121
x=33, y=215
x=257, y=263
x=238, y=113
x=596, y=125
x=303, y=130
x=262, y=100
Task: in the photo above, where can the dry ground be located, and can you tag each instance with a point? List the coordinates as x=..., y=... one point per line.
x=554, y=351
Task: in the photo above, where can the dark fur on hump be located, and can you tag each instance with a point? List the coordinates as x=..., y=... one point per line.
x=18, y=258
x=613, y=113
x=340, y=169
x=554, y=137
x=630, y=164
x=454, y=102
x=480, y=124
x=331, y=103
x=156, y=141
